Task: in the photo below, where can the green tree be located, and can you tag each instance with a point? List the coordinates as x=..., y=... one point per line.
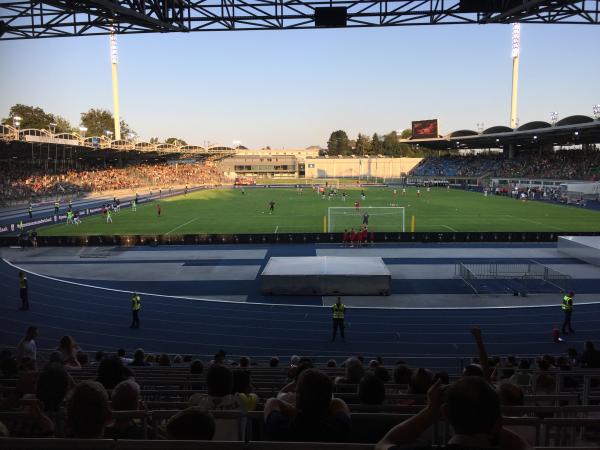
x=154, y=140
x=31, y=117
x=175, y=141
x=36, y=117
x=363, y=145
x=338, y=143
x=97, y=121
x=390, y=144
x=62, y=125
x=376, y=145
x=406, y=133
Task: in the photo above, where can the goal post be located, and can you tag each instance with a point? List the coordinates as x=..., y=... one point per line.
x=380, y=218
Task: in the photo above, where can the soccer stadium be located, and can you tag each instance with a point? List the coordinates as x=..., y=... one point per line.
x=317, y=283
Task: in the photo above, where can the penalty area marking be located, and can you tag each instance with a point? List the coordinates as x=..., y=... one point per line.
x=182, y=225
x=450, y=228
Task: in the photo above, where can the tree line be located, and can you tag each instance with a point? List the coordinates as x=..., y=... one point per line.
x=97, y=122
x=387, y=144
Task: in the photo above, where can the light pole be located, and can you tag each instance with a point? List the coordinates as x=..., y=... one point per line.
x=480, y=127
x=82, y=130
x=114, y=61
x=516, y=50
x=52, y=128
x=554, y=117
x=108, y=133
x=17, y=125
x=596, y=109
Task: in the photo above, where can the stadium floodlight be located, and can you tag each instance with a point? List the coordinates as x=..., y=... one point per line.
x=52, y=127
x=516, y=50
x=535, y=138
x=553, y=117
x=516, y=39
x=83, y=130
x=17, y=121
x=596, y=109
x=108, y=133
x=114, y=61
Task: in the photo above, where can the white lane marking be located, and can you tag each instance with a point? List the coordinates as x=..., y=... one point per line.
x=182, y=225
x=180, y=297
x=276, y=228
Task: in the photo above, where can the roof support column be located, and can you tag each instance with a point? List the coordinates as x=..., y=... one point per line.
x=509, y=151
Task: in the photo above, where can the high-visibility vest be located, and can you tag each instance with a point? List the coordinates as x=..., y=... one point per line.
x=136, y=303
x=338, y=311
x=23, y=283
x=567, y=303
x=56, y=204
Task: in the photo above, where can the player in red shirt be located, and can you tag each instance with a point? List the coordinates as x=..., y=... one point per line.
x=365, y=235
x=158, y=209
x=357, y=205
x=344, y=238
x=352, y=237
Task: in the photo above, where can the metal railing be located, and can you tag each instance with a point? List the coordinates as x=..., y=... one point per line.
x=471, y=273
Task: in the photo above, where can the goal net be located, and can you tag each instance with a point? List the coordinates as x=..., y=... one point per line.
x=330, y=182
x=378, y=218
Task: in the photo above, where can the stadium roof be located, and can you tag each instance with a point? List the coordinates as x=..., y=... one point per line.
x=34, y=19
x=568, y=131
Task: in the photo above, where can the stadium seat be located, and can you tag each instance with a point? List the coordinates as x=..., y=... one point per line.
x=57, y=444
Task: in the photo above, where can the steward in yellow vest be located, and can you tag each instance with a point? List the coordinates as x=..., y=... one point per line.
x=567, y=307
x=136, y=305
x=338, y=318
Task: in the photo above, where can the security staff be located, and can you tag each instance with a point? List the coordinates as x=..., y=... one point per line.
x=30, y=211
x=23, y=291
x=338, y=318
x=567, y=307
x=56, y=206
x=136, y=305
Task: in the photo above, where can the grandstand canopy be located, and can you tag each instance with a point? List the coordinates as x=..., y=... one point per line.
x=57, y=18
x=568, y=131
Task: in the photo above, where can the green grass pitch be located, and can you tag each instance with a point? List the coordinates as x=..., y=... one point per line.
x=230, y=211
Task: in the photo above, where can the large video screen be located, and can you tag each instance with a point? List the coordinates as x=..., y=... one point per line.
x=425, y=129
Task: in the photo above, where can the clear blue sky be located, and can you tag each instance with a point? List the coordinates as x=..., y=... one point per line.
x=292, y=88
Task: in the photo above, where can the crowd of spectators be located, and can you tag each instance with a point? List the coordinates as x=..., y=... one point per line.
x=60, y=403
x=560, y=165
x=23, y=183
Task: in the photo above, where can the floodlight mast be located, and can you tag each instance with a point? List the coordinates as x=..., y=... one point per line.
x=516, y=50
x=114, y=60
